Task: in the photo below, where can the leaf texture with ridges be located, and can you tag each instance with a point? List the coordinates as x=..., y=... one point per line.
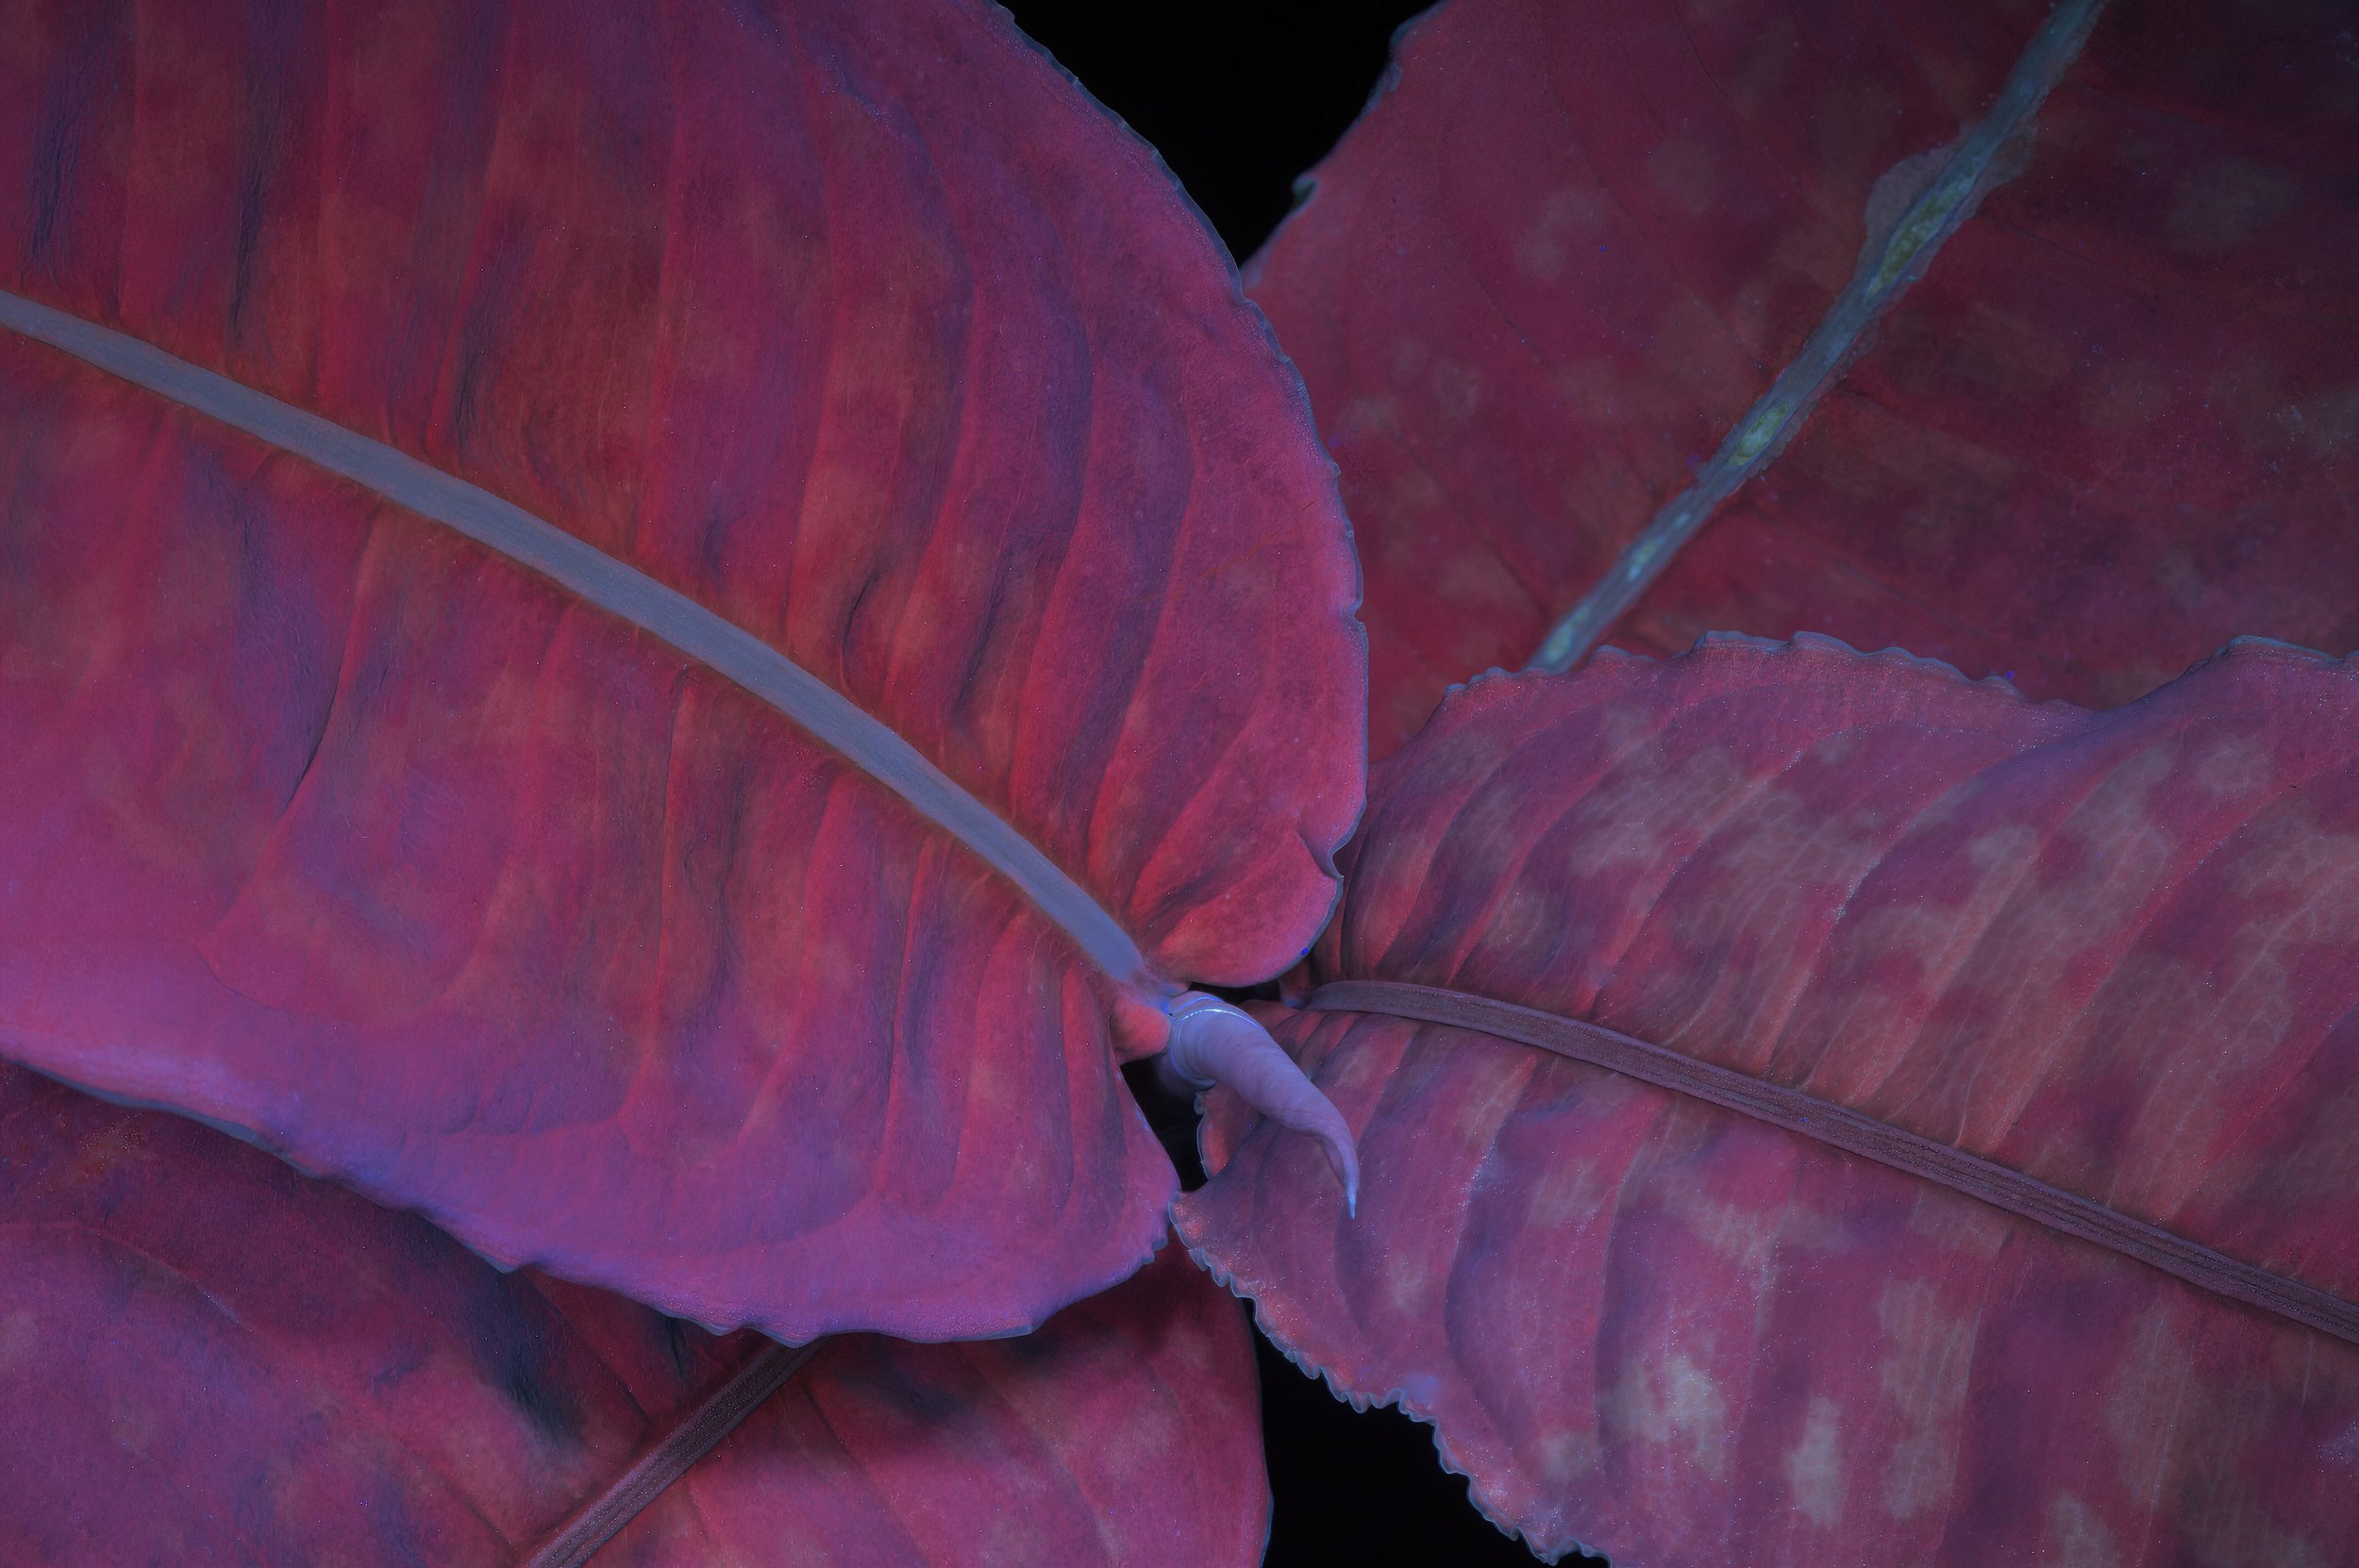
x=857, y=327
x=2113, y=951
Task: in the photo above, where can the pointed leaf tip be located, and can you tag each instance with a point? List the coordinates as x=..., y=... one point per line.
x=1213, y=1042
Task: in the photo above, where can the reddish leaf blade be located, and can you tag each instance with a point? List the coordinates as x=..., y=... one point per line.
x=210, y=1358
x=1127, y=1431
x=862, y=330
x=1560, y=262
x=2113, y=951
x=2113, y=428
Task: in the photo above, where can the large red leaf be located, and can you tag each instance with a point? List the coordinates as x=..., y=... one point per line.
x=854, y=327
x=2111, y=427
x=206, y=1358
x=2117, y=952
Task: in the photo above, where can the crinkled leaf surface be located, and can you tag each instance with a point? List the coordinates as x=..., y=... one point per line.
x=2118, y=951
x=855, y=323
x=207, y=1357
x=2111, y=426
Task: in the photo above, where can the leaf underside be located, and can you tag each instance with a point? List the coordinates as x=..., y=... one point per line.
x=2114, y=951
x=2111, y=427
x=209, y=1357
x=859, y=327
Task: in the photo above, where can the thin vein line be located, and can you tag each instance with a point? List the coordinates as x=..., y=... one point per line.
x=605, y=1515
x=1839, y=1126
x=1947, y=201
x=620, y=590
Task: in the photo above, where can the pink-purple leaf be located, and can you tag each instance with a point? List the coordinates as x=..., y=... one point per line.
x=848, y=335
x=1547, y=292
x=207, y=1357
x=2115, y=952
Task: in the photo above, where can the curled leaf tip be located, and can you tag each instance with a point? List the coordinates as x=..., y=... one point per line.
x=1213, y=1042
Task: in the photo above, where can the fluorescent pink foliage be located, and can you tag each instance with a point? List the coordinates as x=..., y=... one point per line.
x=856, y=325
x=2115, y=951
x=2109, y=428
x=209, y=1359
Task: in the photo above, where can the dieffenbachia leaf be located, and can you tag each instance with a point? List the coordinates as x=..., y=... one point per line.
x=655, y=629
x=1947, y=329
x=206, y=1357
x=1889, y=961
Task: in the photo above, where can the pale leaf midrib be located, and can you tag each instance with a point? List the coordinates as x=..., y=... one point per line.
x=1947, y=200
x=617, y=588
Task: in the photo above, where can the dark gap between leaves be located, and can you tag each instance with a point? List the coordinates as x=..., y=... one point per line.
x=1240, y=100
x=1240, y=97
x=1348, y=1486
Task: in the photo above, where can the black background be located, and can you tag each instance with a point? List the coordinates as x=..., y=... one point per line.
x=1240, y=100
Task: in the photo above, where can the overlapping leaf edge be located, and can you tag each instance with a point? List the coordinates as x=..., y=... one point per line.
x=1225, y=1122
x=1133, y=1028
